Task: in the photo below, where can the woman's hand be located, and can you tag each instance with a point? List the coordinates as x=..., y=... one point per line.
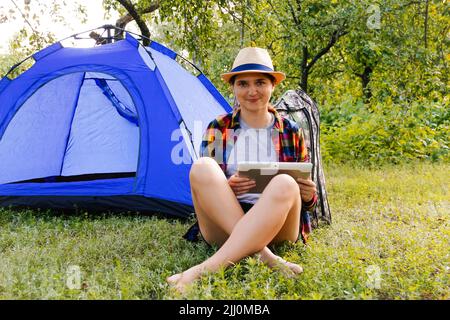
x=240, y=185
x=307, y=189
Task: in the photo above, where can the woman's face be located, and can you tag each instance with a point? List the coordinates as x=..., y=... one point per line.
x=253, y=90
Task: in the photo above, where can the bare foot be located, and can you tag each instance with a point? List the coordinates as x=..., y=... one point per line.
x=181, y=281
x=285, y=266
x=276, y=262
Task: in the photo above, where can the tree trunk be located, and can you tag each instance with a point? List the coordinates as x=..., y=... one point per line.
x=365, y=78
x=306, y=67
x=243, y=25
x=304, y=70
x=136, y=15
x=426, y=24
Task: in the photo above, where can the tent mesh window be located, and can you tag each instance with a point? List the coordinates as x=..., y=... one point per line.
x=77, y=127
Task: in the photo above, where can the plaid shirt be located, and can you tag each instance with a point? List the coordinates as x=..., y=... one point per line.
x=222, y=133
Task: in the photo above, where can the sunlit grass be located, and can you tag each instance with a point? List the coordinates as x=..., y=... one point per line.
x=389, y=239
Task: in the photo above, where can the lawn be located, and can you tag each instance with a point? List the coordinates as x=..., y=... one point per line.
x=389, y=239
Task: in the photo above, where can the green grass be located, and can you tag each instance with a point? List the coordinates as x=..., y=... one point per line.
x=389, y=239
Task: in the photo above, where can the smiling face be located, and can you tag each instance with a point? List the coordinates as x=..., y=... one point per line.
x=253, y=90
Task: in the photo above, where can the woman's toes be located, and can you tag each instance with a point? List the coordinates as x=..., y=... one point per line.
x=181, y=281
x=174, y=278
x=288, y=267
x=297, y=269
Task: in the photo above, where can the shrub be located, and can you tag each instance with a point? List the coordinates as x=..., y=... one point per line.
x=393, y=133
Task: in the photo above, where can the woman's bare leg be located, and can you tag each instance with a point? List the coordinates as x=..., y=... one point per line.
x=210, y=225
x=216, y=205
x=277, y=212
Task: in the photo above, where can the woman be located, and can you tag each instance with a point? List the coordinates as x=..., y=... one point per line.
x=239, y=222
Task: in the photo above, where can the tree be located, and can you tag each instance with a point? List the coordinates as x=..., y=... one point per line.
x=30, y=38
x=334, y=50
x=299, y=34
x=135, y=14
x=384, y=58
x=193, y=21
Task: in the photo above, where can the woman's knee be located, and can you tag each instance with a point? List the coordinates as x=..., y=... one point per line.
x=203, y=170
x=284, y=187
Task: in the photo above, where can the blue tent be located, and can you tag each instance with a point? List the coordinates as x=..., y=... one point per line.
x=113, y=127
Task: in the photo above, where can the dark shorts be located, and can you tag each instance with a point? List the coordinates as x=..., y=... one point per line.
x=246, y=206
x=194, y=231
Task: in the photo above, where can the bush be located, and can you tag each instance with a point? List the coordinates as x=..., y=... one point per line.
x=392, y=133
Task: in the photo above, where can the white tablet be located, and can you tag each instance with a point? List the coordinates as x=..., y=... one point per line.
x=263, y=172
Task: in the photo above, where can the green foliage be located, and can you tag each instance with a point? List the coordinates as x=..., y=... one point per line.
x=393, y=220
x=382, y=88
x=393, y=133
x=31, y=38
x=6, y=62
x=391, y=54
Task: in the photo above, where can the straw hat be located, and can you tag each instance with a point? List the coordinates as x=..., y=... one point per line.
x=253, y=59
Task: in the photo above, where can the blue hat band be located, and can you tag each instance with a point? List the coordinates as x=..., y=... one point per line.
x=251, y=66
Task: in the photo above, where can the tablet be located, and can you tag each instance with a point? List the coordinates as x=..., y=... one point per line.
x=263, y=172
